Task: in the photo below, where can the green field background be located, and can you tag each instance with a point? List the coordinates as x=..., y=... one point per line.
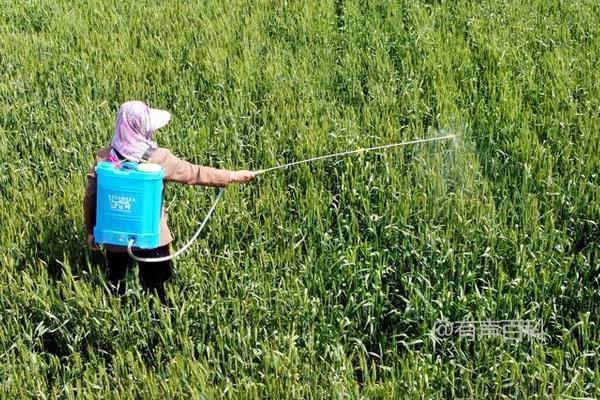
x=326, y=280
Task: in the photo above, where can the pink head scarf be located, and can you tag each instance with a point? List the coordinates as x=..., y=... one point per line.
x=136, y=122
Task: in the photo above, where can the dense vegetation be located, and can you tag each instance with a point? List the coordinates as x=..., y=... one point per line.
x=325, y=280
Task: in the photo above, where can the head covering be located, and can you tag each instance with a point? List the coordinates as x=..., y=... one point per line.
x=136, y=122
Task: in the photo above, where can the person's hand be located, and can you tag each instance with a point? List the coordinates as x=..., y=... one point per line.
x=242, y=176
x=92, y=243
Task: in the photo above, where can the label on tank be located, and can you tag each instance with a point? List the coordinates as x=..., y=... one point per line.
x=120, y=203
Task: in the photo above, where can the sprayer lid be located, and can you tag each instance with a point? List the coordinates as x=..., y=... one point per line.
x=149, y=167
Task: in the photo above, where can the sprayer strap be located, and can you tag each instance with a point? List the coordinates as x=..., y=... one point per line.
x=147, y=155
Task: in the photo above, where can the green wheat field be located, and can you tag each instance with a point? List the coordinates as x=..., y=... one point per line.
x=325, y=280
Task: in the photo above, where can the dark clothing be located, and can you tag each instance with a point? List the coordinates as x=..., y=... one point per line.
x=152, y=275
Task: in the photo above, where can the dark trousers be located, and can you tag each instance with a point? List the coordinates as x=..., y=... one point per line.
x=152, y=275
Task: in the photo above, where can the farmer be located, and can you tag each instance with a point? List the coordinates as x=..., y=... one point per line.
x=135, y=125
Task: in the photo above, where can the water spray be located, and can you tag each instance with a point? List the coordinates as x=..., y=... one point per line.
x=271, y=169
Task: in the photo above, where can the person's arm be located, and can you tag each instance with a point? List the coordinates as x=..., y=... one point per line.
x=178, y=170
x=89, y=209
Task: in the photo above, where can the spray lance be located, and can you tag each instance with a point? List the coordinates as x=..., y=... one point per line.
x=131, y=216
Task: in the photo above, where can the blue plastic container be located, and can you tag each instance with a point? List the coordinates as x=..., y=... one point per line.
x=128, y=204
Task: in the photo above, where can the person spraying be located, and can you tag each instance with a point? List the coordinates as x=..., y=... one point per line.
x=132, y=143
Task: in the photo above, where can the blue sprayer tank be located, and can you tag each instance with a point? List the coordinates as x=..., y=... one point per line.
x=128, y=204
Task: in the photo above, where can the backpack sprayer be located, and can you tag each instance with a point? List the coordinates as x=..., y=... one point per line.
x=129, y=201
